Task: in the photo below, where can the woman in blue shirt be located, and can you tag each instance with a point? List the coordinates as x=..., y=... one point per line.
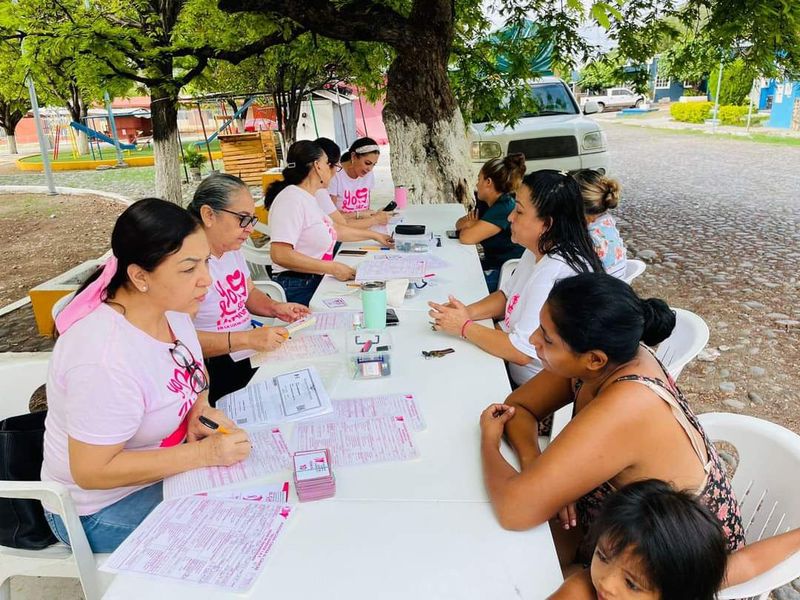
x=498, y=179
x=601, y=194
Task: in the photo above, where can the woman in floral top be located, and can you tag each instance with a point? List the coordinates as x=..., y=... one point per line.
x=601, y=194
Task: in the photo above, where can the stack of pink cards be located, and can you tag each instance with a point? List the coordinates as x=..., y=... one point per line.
x=313, y=478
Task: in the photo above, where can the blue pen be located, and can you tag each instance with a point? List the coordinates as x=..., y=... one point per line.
x=255, y=323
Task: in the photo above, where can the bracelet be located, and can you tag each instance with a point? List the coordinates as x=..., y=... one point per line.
x=229, y=343
x=464, y=327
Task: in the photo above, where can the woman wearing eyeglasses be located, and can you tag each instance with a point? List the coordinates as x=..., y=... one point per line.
x=126, y=385
x=303, y=236
x=224, y=205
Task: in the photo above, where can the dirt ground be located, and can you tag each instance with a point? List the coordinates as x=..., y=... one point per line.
x=43, y=236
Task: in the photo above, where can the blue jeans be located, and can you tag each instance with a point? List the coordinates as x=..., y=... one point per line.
x=492, y=277
x=299, y=287
x=108, y=528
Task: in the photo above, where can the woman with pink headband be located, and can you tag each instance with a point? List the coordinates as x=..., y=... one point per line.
x=126, y=385
x=351, y=187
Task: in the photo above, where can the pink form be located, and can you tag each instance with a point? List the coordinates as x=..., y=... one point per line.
x=297, y=348
x=203, y=540
x=390, y=405
x=269, y=454
x=358, y=441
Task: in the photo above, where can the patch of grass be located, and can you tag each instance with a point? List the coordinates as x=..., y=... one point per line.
x=761, y=138
x=65, y=154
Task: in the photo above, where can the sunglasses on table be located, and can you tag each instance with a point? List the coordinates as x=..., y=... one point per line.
x=183, y=357
x=245, y=220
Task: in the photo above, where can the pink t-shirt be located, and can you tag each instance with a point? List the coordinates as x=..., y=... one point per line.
x=352, y=194
x=224, y=308
x=111, y=383
x=324, y=201
x=295, y=218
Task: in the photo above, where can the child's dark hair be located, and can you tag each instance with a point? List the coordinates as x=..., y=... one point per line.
x=595, y=311
x=299, y=162
x=557, y=197
x=679, y=543
x=360, y=144
x=146, y=233
x=330, y=148
x=506, y=173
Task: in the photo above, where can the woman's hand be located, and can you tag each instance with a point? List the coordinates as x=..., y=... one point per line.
x=383, y=239
x=266, y=339
x=226, y=449
x=290, y=311
x=568, y=516
x=342, y=272
x=493, y=422
x=196, y=430
x=449, y=317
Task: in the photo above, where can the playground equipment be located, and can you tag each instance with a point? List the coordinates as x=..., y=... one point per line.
x=95, y=135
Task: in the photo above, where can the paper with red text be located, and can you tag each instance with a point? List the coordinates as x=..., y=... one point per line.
x=297, y=348
x=276, y=493
x=390, y=405
x=204, y=540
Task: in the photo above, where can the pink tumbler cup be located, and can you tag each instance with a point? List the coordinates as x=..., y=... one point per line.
x=401, y=196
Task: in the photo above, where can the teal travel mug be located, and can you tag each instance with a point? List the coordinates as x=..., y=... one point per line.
x=373, y=300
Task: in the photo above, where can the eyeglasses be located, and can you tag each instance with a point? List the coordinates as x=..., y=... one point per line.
x=184, y=358
x=245, y=220
x=337, y=165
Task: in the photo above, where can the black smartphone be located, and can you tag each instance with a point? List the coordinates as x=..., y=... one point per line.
x=452, y=234
x=391, y=317
x=391, y=206
x=351, y=253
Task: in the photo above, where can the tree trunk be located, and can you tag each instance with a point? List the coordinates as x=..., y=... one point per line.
x=424, y=124
x=78, y=110
x=12, y=143
x=164, y=114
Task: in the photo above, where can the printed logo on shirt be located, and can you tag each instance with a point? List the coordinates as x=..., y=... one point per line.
x=233, y=296
x=353, y=201
x=332, y=232
x=512, y=304
x=180, y=385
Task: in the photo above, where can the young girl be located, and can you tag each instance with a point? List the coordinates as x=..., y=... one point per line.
x=126, y=386
x=655, y=543
x=600, y=195
x=351, y=187
x=548, y=222
x=498, y=179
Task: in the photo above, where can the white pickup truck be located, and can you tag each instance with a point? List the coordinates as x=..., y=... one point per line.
x=556, y=136
x=618, y=97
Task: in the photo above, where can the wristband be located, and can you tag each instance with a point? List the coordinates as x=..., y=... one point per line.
x=229, y=343
x=464, y=328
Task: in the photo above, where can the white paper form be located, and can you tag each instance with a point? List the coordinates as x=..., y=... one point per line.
x=297, y=348
x=335, y=319
x=276, y=493
x=358, y=441
x=269, y=454
x=396, y=267
x=390, y=405
x=287, y=397
x=204, y=540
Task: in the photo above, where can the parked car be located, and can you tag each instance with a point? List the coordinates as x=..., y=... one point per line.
x=556, y=136
x=618, y=97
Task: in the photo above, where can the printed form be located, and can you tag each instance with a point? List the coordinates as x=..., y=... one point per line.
x=390, y=405
x=297, y=348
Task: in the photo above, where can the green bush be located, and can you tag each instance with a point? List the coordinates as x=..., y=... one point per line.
x=737, y=80
x=690, y=112
x=733, y=115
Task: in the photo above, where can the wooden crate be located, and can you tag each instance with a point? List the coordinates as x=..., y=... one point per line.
x=248, y=155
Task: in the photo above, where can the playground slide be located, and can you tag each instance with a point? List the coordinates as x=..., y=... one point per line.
x=100, y=136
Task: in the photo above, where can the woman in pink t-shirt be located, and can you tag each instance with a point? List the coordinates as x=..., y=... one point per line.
x=126, y=386
x=303, y=237
x=225, y=207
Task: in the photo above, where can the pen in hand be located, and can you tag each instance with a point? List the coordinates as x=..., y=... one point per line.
x=213, y=425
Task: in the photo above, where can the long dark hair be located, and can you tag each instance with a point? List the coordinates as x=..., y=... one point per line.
x=679, y=543
x=299, y=164
x=146, y=233
x=557, y=196
x=358, y=144
x=595, y=311
x=330, y=148
x=214, y=191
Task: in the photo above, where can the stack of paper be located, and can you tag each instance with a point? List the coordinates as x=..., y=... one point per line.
x=313, y=478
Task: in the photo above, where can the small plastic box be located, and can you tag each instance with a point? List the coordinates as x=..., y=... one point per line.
x=416, y=242
x=369, y=354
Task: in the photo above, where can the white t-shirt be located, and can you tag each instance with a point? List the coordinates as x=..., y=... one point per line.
x=526, y=291
x=295, y=218
x=353, y=194
x=324, y=201
x=224, y=308
x=111, y=383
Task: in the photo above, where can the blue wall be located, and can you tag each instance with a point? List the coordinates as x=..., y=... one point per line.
x=675, y=89
x=781, y=115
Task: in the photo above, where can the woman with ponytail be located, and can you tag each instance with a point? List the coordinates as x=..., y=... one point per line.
x=600, y=195
x=126, y=386
x=630, y=421
x=498, y=180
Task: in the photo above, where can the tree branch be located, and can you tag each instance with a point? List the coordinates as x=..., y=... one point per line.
x=148, y=81
x=366, y=20
x=202, y=63
x=238, y=55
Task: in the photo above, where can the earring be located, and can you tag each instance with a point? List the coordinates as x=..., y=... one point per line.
x=144, y=288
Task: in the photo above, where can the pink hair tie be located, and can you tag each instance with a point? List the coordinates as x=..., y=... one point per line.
x=89, y=299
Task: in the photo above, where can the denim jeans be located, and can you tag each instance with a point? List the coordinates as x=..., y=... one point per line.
x=108, y=528
x=492, y=277
x=299, y=287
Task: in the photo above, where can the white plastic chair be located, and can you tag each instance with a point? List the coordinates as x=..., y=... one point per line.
x=60, y=304
x=688, y=338
x=272, y=289
x=258, y=259
x=767, y=488
x=507, y=270
x=633, y=268
x=21, y=374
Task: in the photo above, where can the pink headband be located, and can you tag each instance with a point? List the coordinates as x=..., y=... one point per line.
x=89, y=299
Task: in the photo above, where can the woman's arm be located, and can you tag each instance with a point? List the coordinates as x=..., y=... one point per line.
x=286, y=256
x=576, y=587
x=263, y=339
x=475, y=232
x=758, y=558
x=348, y=233
x=258, y=303
x=366, y=218
x=495, y=342
x=492, y=306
